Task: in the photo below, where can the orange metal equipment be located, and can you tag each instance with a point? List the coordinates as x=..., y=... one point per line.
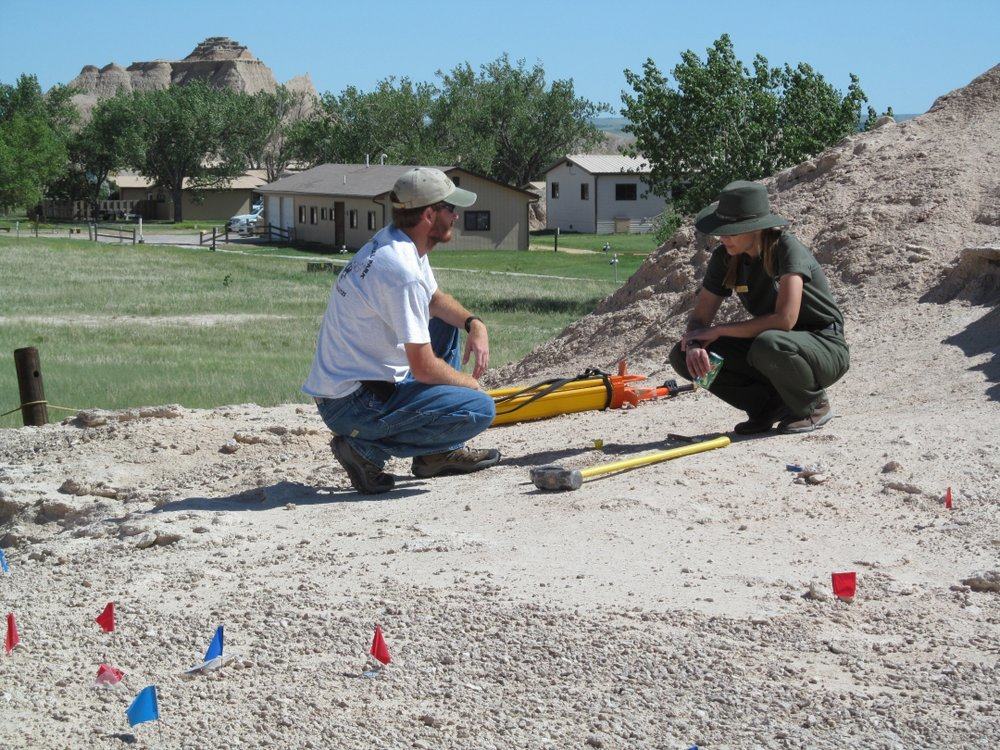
x=592, y=391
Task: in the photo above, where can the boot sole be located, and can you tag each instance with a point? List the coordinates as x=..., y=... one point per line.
x=342, y=452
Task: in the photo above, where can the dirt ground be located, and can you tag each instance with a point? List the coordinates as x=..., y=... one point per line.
x=657, y=608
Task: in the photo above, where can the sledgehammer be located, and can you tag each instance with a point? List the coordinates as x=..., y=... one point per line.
x=554, y=477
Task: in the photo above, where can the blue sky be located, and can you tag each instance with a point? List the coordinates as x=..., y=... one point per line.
x=906, y=53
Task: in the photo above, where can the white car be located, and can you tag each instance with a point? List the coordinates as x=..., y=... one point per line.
x=244, y=223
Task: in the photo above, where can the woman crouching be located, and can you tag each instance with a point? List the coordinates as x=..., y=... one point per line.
x=777, y=364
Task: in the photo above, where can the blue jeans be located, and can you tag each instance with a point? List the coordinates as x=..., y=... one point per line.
x=418, y=419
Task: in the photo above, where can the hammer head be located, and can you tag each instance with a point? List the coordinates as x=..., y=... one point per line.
x=554, y=477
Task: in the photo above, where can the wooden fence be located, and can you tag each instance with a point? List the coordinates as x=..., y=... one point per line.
x=95, y=232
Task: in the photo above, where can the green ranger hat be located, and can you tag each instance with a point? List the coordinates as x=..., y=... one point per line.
x=742, y=207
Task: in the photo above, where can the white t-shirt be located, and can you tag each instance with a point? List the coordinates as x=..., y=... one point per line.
x=379, y=302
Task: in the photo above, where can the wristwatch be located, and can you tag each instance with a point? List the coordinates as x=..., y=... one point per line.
x=468, y=322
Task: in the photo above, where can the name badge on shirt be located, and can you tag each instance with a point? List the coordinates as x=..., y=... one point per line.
x=742, y=289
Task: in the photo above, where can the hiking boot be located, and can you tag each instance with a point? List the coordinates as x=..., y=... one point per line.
x=366, y=477
x=820, y=415
x=461, y=461
x=762, y=422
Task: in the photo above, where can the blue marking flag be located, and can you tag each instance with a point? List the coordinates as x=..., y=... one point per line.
x=3, y=564
x=144, y=708
x=215, y=647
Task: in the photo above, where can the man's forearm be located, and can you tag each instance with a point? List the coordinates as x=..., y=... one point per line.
x=438, y=372
x=448, y=309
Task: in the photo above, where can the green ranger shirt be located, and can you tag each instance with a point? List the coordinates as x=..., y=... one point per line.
x=758, y=291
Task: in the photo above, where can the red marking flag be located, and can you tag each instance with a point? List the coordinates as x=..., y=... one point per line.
x=379, y=648
x=107, y=618
x=947, y=499
x=12, y=637
x=108, y=675
x=845, y=585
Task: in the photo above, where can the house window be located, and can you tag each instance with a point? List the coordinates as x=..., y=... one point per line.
x=352, y=218
x=302, y=214
x=555, y=189
x=584, y=192
x=626, y=191
x=371, y=219
x=477, y=221
x=322, y=214
x=312, y=214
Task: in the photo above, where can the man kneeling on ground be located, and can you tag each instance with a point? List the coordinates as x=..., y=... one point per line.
x=386, y=376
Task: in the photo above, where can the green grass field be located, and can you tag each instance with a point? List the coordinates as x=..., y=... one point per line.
x=620, y=243
x=577, y=266
x=118, y=326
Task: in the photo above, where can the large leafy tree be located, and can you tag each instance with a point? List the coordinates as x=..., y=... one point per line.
x=506, y=122
x=503, y=120
x=266, y=128
x=723, y=121
x=188, y=137
x=108, y=143
x=391, y=119
x=34, y=129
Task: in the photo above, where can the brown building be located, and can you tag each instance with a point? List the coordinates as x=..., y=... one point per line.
x=343, y=205
x=217, y=204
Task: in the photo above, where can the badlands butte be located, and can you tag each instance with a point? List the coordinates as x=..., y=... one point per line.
x=683, y=603
x=218, y=61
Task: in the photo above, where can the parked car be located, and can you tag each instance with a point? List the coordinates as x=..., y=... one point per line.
x=245, y=223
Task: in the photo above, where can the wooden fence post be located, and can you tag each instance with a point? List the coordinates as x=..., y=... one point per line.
x=213, y=239
x=29, y=385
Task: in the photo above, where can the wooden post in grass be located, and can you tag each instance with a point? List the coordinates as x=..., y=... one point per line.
x=35, y=412
x=555, y=245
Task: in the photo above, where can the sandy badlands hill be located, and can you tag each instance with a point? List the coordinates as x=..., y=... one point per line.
x=218, y=60
x=888, y=213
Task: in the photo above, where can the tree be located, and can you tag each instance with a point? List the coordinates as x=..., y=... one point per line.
x=392, y=119
x=31, y=157
x=723, y=122
x=105, y=145
x=33, y=131
x=507, y=123
x=503, y=121
x=188, y=136
x=872, y=117
x=266, y=128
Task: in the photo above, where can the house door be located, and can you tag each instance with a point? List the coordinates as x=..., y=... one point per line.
x=287, y=213
x=338, y=224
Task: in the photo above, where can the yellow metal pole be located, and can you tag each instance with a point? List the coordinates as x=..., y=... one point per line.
x=587, y=399
x=571, y=386
x=653, y=458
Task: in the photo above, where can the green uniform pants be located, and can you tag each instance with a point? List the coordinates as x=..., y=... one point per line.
x=790, y=367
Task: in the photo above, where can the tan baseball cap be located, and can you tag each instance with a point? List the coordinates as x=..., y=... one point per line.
x=425, y=186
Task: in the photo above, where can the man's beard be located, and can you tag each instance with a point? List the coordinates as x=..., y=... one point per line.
x=440, y=233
